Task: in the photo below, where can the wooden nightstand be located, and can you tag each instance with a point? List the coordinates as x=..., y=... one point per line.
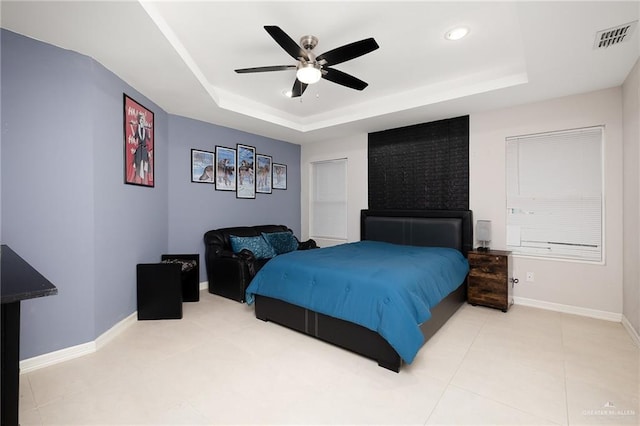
x=489, y=281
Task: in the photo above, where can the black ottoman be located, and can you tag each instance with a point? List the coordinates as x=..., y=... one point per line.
x=190, y=278
x=159, y=291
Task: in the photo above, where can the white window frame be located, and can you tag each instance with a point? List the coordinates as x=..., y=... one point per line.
x=322, y=195
x=541, y=220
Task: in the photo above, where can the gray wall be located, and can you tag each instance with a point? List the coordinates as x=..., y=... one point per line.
x=130, y=221
x=195, y=208
x=65, y=208
x=47, y=179
x=631, y=277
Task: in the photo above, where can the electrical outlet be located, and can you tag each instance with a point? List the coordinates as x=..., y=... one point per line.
x=530, y=277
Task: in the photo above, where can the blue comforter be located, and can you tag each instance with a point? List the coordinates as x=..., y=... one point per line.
x=384, y=287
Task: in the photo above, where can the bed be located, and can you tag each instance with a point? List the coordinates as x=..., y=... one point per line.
x=411, y=229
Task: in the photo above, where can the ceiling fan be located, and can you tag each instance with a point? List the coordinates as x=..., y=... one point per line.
x=311, y=68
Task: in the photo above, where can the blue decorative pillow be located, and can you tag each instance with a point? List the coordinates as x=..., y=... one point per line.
x=260, y=248
x=282, y=242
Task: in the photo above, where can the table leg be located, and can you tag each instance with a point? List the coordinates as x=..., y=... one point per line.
x=10, y=361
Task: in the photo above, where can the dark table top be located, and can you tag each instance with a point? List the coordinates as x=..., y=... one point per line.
x=19, y=280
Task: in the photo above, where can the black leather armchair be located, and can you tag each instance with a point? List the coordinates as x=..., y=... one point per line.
x=230, y=273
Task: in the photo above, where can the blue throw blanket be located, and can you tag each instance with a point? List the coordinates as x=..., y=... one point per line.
x=384, y=287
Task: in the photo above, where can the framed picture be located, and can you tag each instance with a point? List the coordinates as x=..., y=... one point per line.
x=202, y=166
x=225, y=169
x=279, y=176
x=138, y=144
x=263, y=171
x=246, y=171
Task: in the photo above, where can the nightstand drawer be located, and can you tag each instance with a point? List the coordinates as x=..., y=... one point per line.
x=485, y=297
x=491, y=285
x=488, y=262
x=489, y=274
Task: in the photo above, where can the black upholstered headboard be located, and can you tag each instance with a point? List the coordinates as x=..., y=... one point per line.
x=433, y=228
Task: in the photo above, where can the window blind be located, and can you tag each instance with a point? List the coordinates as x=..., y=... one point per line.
x=555, y=194
x=329, y=199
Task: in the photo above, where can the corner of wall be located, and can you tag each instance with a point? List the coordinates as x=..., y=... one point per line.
x=631, y=206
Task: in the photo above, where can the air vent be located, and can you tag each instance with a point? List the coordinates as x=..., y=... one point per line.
x=616, y=35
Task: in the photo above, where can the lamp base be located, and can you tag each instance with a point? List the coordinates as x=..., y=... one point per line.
x=484, y=246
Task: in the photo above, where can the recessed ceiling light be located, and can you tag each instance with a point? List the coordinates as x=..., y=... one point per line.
x=456, y=33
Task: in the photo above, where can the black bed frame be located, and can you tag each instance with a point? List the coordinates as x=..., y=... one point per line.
x=439, y=228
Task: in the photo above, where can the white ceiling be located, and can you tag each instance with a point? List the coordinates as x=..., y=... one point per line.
x=181, y=55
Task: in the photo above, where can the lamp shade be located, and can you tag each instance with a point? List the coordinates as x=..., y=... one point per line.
x=483, y=231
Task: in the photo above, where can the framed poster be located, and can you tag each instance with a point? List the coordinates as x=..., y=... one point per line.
x=225, y=169
x=279, y=176
x=138, y=144
x=246, y=171
x=201, y=166
x=263, y=170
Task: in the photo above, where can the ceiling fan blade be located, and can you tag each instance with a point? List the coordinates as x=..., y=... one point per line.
x=298, y=88
x=343, y=79
x=286, y=42
x=265, y=69
x=348, y=51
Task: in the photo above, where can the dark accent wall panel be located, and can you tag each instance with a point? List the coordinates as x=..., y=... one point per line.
x=425, y=166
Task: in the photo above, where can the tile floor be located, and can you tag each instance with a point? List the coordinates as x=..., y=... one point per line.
x=220, y=365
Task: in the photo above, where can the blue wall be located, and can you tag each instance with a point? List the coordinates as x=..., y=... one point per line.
x=47, y=186
x=65, y=208
x=194, y=207
x=130, y=221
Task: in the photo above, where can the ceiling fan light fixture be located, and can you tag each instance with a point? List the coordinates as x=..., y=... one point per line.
x=456, y=33
x=310, y=68
x=309, y=73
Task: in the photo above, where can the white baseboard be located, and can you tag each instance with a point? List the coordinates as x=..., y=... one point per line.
x=568, y=309
x=66, y=354
x=108, y=335
x=632, y=332
x=51, y=358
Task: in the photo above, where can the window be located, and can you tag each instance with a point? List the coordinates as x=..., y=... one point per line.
x=329, y=199
x=555, y=194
